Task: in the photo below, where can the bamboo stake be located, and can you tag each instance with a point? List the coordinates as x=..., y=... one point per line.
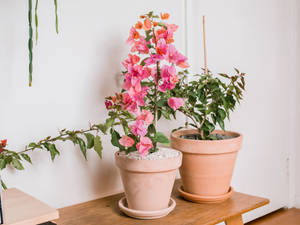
x=204, y=47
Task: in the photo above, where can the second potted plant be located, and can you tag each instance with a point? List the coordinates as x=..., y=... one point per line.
x=208, y=154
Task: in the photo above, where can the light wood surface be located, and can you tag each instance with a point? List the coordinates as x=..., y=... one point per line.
x=20, y=208
x=235, y=220
x=279, y=217
x=105, y=212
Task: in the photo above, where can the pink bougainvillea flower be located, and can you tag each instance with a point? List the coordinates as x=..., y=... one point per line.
x=138, y=94
x=126, y=141
x=146, y=116
x=153, y=59
x=140, y=46
x=147, y=24
x=173, y=56
x=175, y=103
x=164, y=16
x=108, y=104
x=161, y=47
x=138, y=25
x=128, y=104
x=133, y=35
x=167, y=72
x=144, y=145
x=135, y=75
x=3, y=143
x=172, y=27
x=138, y=128
x=131, y=60
x=169, y=77
x=167, y=85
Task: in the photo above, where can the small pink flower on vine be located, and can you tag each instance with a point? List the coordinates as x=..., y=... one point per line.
x=2, y=145
x=108, y=104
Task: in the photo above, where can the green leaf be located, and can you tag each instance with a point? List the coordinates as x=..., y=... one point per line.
x=103, y=128
x=53, y=151
x=151, y=129
x=125, y=126
x=109, y=122
x=98, y=146
x=3, y=185
x=161, y=138
x=166, y=114
x=115, y=137
x=26, y=157
x=222, y=114
x=221, y=123
x=236, y=70
x=2, y=164
x=82, y=146
x=90, y=140
x=17, y=164
x=162, y=102
x=158, y=114
x=32, y=145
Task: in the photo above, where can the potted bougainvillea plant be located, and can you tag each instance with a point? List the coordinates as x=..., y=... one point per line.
x=147, y=170
x=208, y=154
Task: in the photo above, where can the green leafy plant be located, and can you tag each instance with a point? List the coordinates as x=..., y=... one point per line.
x=36, y=23
x=209, y=100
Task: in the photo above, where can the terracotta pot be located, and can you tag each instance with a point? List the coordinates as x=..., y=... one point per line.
x=207, y=166
x=148, y=183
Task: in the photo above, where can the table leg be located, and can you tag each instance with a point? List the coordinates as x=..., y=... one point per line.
x=235, y=220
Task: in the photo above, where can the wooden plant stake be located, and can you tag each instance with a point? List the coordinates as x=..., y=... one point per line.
x=204, y=47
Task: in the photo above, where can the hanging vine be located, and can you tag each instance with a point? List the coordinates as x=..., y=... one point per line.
x=30, y=39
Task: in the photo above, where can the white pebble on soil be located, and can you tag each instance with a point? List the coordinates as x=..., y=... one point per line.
x=162, y=153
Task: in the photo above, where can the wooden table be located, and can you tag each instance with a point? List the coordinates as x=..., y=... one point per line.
x=20, y=208
x=105, y=211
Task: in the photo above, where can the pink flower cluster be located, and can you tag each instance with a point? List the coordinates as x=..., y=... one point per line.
x=155, y=50
x=139, y=129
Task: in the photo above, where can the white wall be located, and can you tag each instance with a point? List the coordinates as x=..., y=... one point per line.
x=295, y=99
x=74, y=71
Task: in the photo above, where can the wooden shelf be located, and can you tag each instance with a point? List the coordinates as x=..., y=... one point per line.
x=105, y=211
x=20, y=208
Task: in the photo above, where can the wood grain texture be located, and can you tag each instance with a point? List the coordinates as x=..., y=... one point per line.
x=20, y=208
x=105, y=211
x=235, y=220
x=282, y=216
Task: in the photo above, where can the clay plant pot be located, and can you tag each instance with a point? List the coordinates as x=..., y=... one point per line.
x=148, y=184
x=207, y=165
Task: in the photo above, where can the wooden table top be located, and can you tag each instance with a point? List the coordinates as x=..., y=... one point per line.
x=20, y=208
x=105, y=211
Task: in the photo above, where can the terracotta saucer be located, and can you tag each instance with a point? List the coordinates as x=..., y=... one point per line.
x=145, y=215
x=205, y=199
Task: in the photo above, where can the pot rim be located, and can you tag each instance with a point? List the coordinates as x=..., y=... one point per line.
x=207, y=147
x=148, y=166
x=176, y=134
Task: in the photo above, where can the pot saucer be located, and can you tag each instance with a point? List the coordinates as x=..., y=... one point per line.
x=145, y=215
x=205, y=199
